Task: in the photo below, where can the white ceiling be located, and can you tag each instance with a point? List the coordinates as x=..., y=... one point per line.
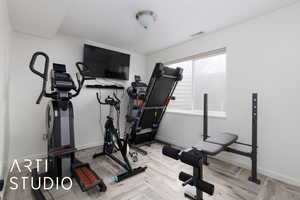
x=113, y=21
x=37, y=17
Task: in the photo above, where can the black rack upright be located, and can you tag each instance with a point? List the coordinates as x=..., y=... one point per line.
x=253, y=154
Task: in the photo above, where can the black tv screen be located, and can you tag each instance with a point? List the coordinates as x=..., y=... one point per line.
x=104, y=63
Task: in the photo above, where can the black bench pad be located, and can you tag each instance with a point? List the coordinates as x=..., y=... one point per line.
x=215, y=144
x=209, y=148
x=224, y=139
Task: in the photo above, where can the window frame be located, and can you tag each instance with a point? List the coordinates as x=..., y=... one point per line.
x=213, y=114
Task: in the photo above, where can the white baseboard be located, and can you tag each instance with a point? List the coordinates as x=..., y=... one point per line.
x=266, y=172
x=90, y=145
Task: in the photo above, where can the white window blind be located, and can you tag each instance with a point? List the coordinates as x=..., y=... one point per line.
x=184, y=90
x=202, y=73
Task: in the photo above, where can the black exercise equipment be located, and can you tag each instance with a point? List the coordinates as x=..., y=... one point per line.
x=1, y=184
x=100, y=86
x=194, y=158
x=211, y=146
x=112, y=141
x=60, y=128
x=148, y=103
x=224, y=140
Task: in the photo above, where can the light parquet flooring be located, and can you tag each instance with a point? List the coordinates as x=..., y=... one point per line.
x=160, y=181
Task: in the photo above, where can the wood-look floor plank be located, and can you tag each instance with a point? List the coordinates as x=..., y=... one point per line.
x=160, y=181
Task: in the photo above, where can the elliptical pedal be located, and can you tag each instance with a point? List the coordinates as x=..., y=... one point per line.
x=87, y=178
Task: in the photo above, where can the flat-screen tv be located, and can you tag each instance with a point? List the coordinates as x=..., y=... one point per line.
x=105, y=63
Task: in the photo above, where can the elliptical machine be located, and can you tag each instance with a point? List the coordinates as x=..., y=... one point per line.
x=60, y=129
x=113, y=142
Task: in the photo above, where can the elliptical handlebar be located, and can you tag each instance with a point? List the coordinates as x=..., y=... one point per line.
x=84, y=68
x=33, y=60
x=43, y=75
x=80, y=81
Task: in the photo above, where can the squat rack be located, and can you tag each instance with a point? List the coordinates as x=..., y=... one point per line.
x=253, y=154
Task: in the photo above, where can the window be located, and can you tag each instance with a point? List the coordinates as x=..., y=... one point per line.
x=203, y=73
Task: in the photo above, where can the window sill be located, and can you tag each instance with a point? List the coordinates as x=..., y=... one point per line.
x=211, y=114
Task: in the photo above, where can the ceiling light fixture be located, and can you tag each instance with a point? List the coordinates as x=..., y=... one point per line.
x=146, y=18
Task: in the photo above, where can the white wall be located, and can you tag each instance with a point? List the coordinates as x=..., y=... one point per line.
x=28, y=119
x=262, y=56
x=5, y=32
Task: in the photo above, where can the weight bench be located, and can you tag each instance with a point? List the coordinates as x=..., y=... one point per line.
x=194, y=157
x=211, y=146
